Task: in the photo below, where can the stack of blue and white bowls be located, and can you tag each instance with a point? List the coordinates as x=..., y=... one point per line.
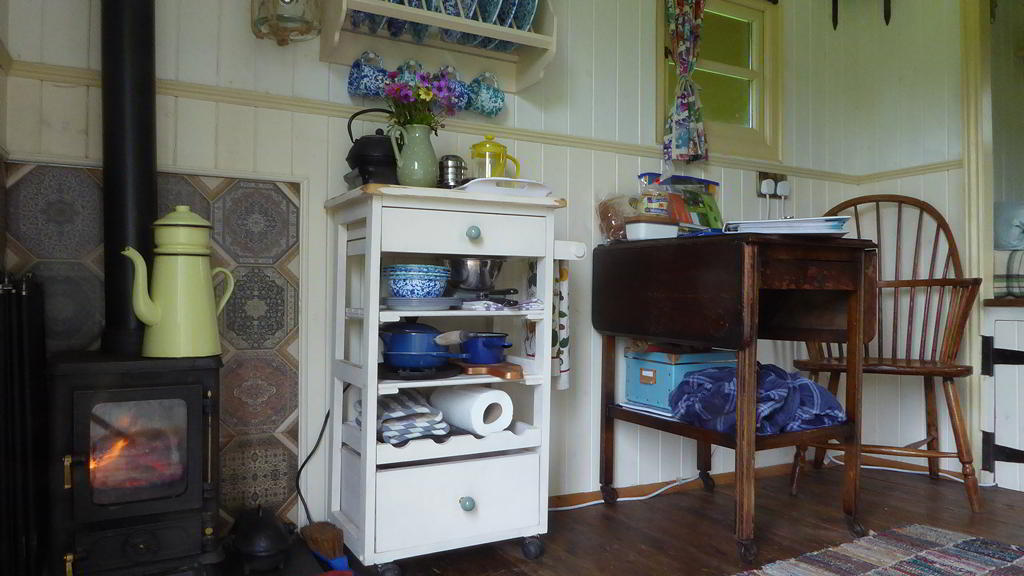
x=416, y=280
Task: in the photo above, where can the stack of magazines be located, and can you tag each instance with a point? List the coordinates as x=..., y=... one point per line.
x=834, y=226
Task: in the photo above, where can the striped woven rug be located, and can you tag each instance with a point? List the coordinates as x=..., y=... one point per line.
x=912, y=551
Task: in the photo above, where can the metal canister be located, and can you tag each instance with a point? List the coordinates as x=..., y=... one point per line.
x=451, y=171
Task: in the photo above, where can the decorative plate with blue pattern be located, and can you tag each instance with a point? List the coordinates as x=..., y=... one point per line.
x=507, y=12
x=416, y=30
x=451, y=8
x=525, y=12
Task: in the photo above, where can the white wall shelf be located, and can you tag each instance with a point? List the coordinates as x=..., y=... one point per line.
x=341, y=44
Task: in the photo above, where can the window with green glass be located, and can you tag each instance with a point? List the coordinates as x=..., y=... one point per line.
x=736, y=75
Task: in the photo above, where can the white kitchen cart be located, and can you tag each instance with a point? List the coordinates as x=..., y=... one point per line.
x=398, y=502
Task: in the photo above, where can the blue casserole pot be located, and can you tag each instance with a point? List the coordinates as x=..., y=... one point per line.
x=411, y=345
x=486, y=347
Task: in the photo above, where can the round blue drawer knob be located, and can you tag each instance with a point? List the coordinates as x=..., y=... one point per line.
x=467, y=503
x=473, y=232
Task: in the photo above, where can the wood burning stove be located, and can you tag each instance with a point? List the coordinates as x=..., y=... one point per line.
x=135, y=442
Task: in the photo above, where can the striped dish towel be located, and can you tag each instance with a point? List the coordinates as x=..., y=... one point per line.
x=405, y=416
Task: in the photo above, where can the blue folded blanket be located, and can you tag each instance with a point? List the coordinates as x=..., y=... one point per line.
x=785, y=402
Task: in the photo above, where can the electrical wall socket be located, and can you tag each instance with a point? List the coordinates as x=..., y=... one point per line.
x=776, y=178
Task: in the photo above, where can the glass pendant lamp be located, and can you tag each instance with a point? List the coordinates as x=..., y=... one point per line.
x=286, y=20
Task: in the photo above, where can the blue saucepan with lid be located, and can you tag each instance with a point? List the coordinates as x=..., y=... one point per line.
x=485, y=347
x=411, y=345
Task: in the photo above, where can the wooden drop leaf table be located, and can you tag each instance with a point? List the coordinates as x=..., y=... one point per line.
x=727, y=291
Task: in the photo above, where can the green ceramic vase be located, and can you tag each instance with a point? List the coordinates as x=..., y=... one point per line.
x=417, y=162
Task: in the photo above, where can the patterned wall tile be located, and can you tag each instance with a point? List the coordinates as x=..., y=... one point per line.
x=73, y=299
x=255, y=222
x=256, y=470
x=16, y=259
x=226, y=436
x=56, y=212
x=262, y=310
x=176, y=190
x=259, y=391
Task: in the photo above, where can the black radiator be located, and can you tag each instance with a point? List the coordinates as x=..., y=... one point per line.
x=23, y=441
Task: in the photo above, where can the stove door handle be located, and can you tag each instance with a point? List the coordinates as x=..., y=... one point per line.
x=67, y=475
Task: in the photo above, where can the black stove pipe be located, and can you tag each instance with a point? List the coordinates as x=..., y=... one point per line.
x=129, y=159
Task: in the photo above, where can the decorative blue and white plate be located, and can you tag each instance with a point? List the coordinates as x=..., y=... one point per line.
x=507, y=12
x=451, y=8
x=525, y=12
x=489, y=10
x=396, y=27
x=416, y=30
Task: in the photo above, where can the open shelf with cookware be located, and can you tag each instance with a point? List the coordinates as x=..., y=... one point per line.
x=438, y=300
x=512, y=39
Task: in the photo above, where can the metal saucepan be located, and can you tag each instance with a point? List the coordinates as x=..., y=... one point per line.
x=473, y=274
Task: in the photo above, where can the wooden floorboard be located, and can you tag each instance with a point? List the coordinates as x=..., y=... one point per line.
x=691, y=532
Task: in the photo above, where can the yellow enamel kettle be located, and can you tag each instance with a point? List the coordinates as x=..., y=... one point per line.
x=180, y=313
x=487, y=159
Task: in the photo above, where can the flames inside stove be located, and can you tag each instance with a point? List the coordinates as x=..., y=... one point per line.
x=137, y=450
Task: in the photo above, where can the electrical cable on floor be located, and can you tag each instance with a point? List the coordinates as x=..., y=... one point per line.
x=678, y=482
x=833, y=460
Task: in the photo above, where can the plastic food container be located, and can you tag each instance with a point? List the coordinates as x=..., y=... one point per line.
x=640, y=228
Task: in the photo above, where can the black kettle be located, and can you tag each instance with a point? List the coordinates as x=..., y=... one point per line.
x=372, y=155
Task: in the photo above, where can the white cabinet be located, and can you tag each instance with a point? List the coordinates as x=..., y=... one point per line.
x=1002, y=404
x=396, y=502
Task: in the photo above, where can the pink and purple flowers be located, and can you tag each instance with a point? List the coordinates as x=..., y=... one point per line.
x=422, y=99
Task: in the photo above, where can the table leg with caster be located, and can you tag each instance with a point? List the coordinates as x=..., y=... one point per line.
x=747, y=550
x=608, y=492
x=704, y=465
x=854, y=380
x=746, y=423
x=389, y=569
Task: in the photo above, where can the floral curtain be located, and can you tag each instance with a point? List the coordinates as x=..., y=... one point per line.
x=684, y=128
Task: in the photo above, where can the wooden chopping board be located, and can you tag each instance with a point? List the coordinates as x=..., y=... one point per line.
x=503, y=370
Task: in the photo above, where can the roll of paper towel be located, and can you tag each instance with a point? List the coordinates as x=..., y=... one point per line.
x=476, y=409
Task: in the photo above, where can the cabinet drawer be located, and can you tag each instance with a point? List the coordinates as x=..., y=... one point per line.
x=444, y=232
x=420, y=505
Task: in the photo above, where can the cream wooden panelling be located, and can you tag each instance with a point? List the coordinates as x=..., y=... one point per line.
x=24, y=119
x=236, y=137
x=602, y=88
x=195, y=143
x=166, y=129
x=94, y=124
x=236, y=55
x=65, y=30
x=198, y=43
x=273, y=141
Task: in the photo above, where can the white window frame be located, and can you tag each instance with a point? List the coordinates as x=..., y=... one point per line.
x=762, y=141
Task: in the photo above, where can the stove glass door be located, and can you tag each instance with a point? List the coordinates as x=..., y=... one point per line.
x=138, y=450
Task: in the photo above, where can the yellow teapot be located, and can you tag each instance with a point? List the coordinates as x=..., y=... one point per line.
x=180, y=313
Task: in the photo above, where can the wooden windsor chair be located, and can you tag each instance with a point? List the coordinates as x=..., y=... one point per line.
x=923, y=307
